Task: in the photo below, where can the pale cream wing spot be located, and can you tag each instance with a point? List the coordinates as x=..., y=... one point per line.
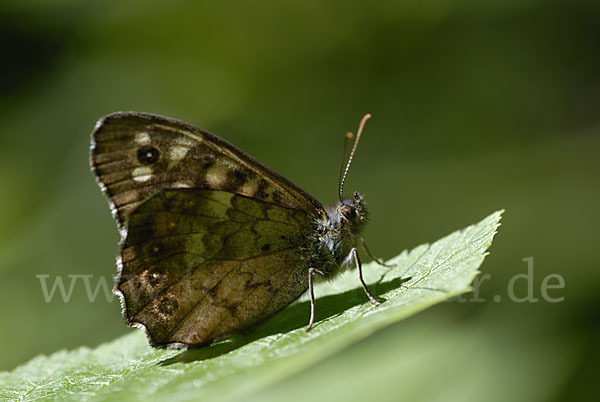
x=142, y=173
x=188, y=140
x=176, y=154
x=143, y=138
x=216, y=175
x=183, y=184
x=249, y=188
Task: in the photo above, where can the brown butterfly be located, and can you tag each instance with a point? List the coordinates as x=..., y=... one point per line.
x=213, y=241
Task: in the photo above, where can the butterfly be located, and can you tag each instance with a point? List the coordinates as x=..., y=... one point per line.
x=213, y=242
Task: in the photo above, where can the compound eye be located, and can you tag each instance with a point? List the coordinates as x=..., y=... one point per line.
x=348, y=211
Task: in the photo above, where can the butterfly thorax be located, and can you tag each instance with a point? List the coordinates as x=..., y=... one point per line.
x=338, y=233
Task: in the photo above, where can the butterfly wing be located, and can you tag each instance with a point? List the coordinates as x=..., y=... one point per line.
x=198, y=265
x=134, y=155
x=212, y=240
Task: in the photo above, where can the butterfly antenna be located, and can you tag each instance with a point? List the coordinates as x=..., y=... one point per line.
x=359, y=132
x=347, y=138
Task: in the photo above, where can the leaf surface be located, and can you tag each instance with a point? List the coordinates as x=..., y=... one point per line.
x=129, y=369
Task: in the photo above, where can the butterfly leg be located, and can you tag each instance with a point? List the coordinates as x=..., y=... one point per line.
x=311, y=272
x=377, y=260
x=354, y=254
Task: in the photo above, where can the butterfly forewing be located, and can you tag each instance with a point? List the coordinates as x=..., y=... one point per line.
x=134, y=155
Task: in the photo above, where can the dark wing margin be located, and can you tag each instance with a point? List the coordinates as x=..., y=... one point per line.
x=199, y=265
x=134, y=155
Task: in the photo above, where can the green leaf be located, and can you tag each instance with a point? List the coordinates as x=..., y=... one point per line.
x=129, y=369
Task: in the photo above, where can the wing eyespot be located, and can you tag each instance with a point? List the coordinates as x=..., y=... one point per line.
x=147, y=155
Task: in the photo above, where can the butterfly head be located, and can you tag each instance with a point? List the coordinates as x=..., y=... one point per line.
x=353, y=211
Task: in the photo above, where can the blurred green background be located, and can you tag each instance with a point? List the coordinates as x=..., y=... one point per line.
x=477, y=106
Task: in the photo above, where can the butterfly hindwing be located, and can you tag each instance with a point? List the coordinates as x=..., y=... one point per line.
x=197, y=265
x=134, y=155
